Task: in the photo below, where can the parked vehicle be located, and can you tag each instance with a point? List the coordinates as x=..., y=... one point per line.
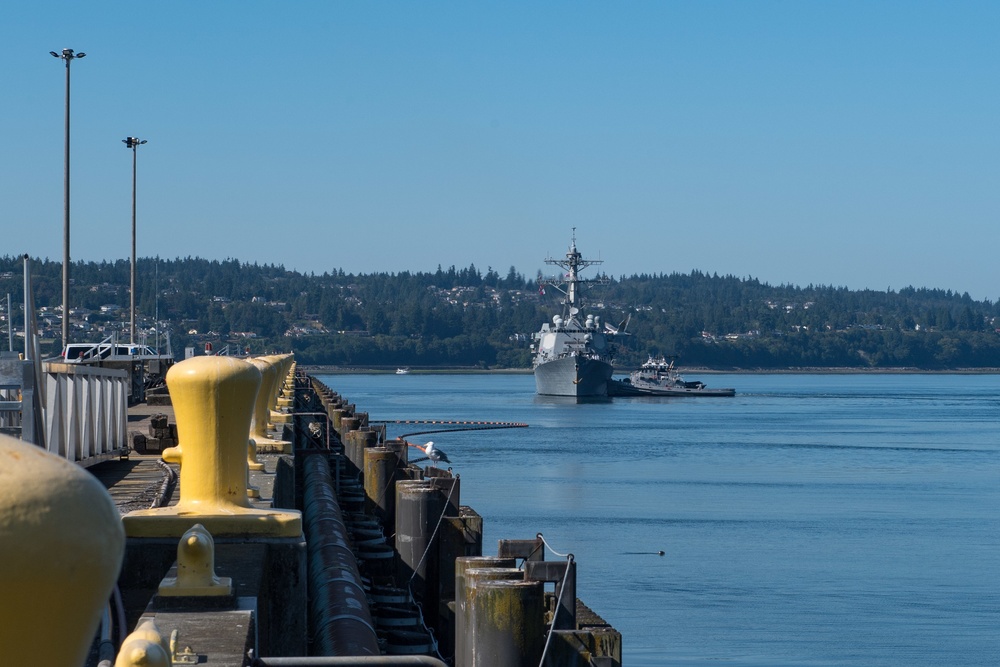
x=82, y=353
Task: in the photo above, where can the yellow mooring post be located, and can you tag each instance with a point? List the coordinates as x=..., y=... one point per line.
x=196, y=568
x=213, y=400
x=145, y=647
x=61, y=547
x=286, y=395
x=281, y=363
x=262, y=409
x=288, y=390
x=252, y=462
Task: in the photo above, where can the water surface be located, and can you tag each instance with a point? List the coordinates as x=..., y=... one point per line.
x=810, y=520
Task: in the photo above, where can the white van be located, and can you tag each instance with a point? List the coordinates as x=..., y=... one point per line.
x=81, y=353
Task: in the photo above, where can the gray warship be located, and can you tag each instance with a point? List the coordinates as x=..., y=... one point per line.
x=573, y=354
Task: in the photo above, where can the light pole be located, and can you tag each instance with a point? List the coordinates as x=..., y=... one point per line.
x=68, y=56
x=133, y=143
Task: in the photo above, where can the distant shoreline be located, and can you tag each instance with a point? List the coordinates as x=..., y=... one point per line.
x=693, y=370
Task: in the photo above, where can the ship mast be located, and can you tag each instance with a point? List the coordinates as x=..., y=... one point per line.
x=572, y=265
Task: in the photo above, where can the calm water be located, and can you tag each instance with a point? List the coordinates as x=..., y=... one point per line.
x=811, y=520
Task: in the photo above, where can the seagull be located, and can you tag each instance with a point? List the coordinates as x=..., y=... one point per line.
x=433, y=454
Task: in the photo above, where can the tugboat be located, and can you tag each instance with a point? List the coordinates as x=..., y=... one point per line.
x=573, y=354
x=658, y=377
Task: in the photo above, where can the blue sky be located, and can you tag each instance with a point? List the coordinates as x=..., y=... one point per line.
x=847, y=143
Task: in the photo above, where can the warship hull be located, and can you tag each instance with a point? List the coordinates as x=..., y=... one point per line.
x=573, y=376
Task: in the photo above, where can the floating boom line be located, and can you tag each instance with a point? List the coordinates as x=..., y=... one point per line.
x=466, y=425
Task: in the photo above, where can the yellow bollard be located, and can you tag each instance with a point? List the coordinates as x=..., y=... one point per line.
x=196, y=567
x=61, y=547
x=213, y=399
x=255, y=465
x=281, y=363
x=261, y=410
x=288, y=390
x=252, y=491
x=145, y=647
x=252, y=462
x=286, y=397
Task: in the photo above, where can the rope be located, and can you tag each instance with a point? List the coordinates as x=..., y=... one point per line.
x=542, y=538
x=562, y=589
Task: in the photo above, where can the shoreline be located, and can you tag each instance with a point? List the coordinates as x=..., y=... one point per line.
x=455, y=370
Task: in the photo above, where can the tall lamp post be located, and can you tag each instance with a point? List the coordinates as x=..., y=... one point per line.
x=68, y=56
x=133, y=143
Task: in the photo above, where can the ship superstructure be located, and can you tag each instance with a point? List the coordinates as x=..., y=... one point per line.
x=573, y=354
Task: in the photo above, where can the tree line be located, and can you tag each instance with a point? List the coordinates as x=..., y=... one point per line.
x=465, y=317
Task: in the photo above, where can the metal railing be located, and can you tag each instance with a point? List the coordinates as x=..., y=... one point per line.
x=19, y=415
x=86, y=412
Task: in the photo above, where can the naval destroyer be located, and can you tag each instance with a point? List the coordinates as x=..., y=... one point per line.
x=573, y=354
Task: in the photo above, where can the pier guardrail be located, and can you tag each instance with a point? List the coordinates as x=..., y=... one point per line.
x=86, y=412
x=20, y=410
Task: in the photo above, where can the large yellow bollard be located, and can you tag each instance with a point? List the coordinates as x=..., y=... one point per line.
x=61, y=547
x=262, y=409
x=213, y=399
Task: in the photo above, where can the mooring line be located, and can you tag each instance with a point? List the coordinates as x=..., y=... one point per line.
x=542, y=538
x=562, y=589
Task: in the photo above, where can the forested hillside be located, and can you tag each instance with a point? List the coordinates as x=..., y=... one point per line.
x=464, y=317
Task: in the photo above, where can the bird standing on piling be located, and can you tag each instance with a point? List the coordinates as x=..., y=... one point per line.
x=432, y=453
x=435, y=454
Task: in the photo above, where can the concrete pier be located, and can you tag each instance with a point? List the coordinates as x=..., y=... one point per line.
x=388, y=568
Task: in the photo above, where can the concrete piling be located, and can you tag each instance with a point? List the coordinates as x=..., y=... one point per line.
x=418, y=509
x=563, y=575
x=336, y=413
x=355, y=443
x=506, y=619
x=380, y=472
x=484, y=567
x=348, y=424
